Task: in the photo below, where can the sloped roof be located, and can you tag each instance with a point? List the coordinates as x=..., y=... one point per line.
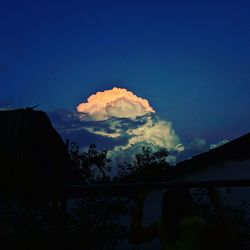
x=235, y=150
x=32, y=154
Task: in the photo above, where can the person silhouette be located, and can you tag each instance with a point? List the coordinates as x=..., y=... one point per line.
x=179, y=227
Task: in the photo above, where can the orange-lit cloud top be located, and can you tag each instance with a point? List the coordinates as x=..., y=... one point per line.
x=117, y=102
x=120, y=103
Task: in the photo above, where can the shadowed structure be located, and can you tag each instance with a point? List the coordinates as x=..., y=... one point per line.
x=229, y=161
x=224, y=166
x=33, y=156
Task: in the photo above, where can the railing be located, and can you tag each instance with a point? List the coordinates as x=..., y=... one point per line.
x=76, y=191
x=61, y=197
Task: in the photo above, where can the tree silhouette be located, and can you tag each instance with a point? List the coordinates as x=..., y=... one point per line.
x=147, y=165
x=89, y=167
x=93, y=222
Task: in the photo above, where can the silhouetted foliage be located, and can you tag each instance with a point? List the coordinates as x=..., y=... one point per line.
x=91, y=166
x=238, y=214
x=94, y=221
x=147, y=165
x=92, y=215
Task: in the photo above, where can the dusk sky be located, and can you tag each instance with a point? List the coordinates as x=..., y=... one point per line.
x=189, y=59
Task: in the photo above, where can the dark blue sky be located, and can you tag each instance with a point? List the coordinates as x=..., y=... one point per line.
x=190, y=59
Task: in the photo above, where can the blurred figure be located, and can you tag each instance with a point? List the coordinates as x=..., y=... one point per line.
x=180, y=228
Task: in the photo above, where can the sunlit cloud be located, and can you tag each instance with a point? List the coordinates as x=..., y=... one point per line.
x=157, y=132
x=117, y=102
x=124, y=137
x=103, y=132
x=123, y=122
x=121, y=115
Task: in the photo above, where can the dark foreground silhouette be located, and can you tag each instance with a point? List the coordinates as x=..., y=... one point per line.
x=180, y=228
x=37, y=211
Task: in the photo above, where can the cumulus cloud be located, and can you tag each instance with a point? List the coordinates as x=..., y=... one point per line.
x=117, y=102
x=157, y=132
x=132, y=134
x=218, y=144
x=198, y=144
x=201, y=145
x=119, y=155
x=119, y=121
x=84, y=133
x=110, y=106
x=102, y=132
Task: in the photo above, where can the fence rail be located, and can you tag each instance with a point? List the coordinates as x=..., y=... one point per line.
x=75, y=191
x=113, y=188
